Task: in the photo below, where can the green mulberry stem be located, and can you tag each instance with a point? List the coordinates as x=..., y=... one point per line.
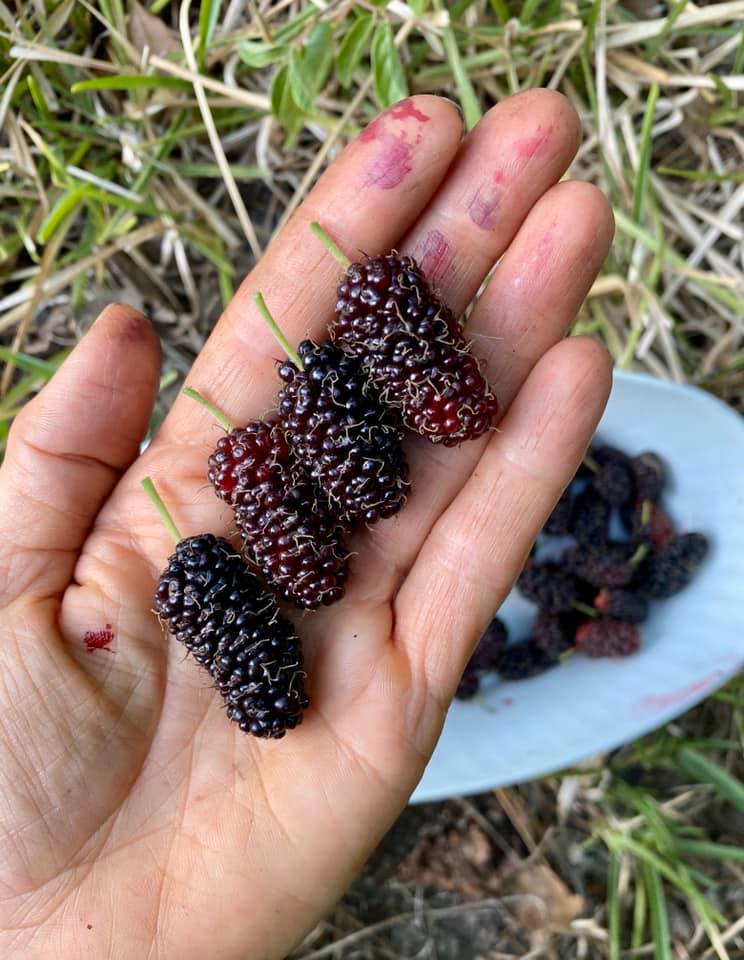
x=585, y=608
x=338, y=255
x=218, y=415
x=277, y=330
x=157, y=502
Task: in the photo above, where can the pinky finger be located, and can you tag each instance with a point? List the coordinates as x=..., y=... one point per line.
x=475, y=552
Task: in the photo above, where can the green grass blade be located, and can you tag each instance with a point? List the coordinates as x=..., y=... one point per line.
x=640, y=911
x=654, y=45
x=128, y=81
x=639, y=194
x=29, y=364
x=64, y=207
x=468, y=100
x=613, y=905
x=657, y=912
x=705, y=771
x=209, y=10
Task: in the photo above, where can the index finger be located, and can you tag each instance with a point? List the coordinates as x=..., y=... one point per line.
x=366, y=200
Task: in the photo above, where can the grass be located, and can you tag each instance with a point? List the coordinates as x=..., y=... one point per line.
x=148, y=155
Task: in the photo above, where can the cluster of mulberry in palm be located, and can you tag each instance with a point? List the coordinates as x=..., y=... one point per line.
x=329, y=460
x=620, y=552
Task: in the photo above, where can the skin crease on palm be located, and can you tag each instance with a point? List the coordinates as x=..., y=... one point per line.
x=135, y=820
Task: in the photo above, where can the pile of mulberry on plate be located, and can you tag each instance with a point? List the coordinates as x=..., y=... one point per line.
x=329, y=459
x=607, y=552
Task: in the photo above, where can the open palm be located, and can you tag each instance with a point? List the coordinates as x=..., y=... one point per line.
x=135, y=820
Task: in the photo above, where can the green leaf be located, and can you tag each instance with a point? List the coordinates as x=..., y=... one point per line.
x=390, y=80
x=710, y=850
x=308, y=68
x=258, y=54
x=352, y=49
x=705, y=771
x=283, y=105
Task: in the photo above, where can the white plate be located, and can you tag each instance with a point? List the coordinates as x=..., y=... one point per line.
x=692, y=642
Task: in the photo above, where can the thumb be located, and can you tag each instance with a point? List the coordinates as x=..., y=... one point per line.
x=68, y=447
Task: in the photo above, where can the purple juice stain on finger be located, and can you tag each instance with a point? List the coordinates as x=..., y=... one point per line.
x=407, y=110
x=99, y=639
x=392, y=164
x=483, y=208
x=436, y=257
x=393, y=161
x=529, y=147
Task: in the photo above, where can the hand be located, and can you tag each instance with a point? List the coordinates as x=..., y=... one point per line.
x=136, y=820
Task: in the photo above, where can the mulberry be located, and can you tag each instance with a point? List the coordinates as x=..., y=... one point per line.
x=554, y=632
x=468, y=686
x=608, y=638
x=591, y=519
x=412, y=348
x=609, y=566
x=288, y=532
x=560, y=520
x=614, y=481
x=219, y=611
x=490, y=647
x=648, y=523
x=622, y=605
x=650, y=475
x=524, y=660
x=665, y=573
x=549, y=586
x=341, y=434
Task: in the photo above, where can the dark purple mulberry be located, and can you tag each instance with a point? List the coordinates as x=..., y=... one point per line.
x=591, y=519
x=665, y=573
x=468, y=686
x=218, y=610
x=554, y=632
x=607, y=566
x=412, y=348
x=622, y=605
x=560, y=520
x=288, y=532
x=614, y=482
x=340, y=433
x=608, y=638
x=650, y=475
x=490, y=646
x=647, y=523
x=549, y=586
x=524, y=660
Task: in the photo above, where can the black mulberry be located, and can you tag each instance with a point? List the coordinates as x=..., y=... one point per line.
x=608, y=638
x=219, y=611
x=524, y=660
x=549, y=585
x=412, y=348
x=554, y=632
x=490, y=647
x=622, y=605
x=340, y=433
x=665, y=573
